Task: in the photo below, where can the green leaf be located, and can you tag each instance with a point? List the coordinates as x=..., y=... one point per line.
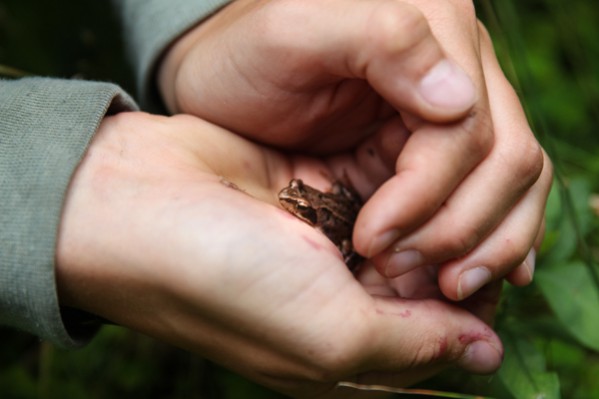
x=560, y=237
x=580, y=193
x=523, y=371
x=568, y=217
x=571, y=292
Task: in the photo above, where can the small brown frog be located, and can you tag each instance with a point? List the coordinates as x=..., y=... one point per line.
x=333, y=213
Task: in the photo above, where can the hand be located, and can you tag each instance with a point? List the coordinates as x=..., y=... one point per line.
x=322, y=76
x=493, y=220
x=171, y=228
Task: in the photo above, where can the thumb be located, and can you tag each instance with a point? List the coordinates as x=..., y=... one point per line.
x=390, y=44
x=417, y=338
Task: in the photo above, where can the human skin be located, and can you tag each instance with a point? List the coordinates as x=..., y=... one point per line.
x=318, y=77
x=171, y=227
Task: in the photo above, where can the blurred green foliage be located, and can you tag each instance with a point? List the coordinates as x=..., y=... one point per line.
x=550, y=52
x=70, y=39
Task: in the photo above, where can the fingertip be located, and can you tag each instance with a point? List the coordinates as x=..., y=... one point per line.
x=472, y=280
x=482, y=357
x=378, y=243
x=447, y=88
x=402, y=261
x=523, y=274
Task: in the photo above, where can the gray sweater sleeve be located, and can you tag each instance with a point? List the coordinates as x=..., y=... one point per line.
x=45, y=127
x=150, y=26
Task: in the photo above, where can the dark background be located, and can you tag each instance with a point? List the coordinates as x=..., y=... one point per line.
x=550, y=52
x=67, y=39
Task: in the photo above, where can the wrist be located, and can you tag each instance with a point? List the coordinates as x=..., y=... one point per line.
x=94, y=240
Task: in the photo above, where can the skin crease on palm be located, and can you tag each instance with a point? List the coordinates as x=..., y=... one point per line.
x=263, y=293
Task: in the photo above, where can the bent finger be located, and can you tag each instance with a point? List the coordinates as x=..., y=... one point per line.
x=390, y=44
x=523, y=274
x=507, y=247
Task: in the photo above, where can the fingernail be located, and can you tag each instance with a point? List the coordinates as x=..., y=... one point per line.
x=378, y=244
x=471, y=280
x=481, y=357
x=446, y=85
x=530, y=263
x=402, y=262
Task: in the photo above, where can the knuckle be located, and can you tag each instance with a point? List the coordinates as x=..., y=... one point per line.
x=432, y=347
x=465, y=8
x=396, y=27
x=529, y=160
x=478, y=132
x=460, y=242
x=483, y=33
x=458, y=237
x=460, y=12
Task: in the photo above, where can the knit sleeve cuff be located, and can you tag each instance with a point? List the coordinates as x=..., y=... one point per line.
x=45, y=128
x=150, y=26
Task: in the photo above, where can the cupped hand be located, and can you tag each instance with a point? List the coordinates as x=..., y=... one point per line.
x=491, y=224
x=469, y=187
x=171, y=227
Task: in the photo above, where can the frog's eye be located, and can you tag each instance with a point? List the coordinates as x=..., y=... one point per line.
x=307, y=213
x=296, y=184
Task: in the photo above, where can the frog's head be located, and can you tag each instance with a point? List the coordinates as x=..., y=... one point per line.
x=293, y=198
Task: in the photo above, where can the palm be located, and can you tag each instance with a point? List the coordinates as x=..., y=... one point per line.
x=180, y=254
x=274, y=249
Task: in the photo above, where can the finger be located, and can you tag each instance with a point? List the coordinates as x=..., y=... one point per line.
x=319, y=62
x=433, y=162
x=390, y=44
x=507, y=247
x=435, y=159
x=523, y=274
x=373, y=160
x=478, y=205
x=386, y=42
x=483, y=303
x=510, y=244
x=426, y=336
x=414, y=340
x=473, y=210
